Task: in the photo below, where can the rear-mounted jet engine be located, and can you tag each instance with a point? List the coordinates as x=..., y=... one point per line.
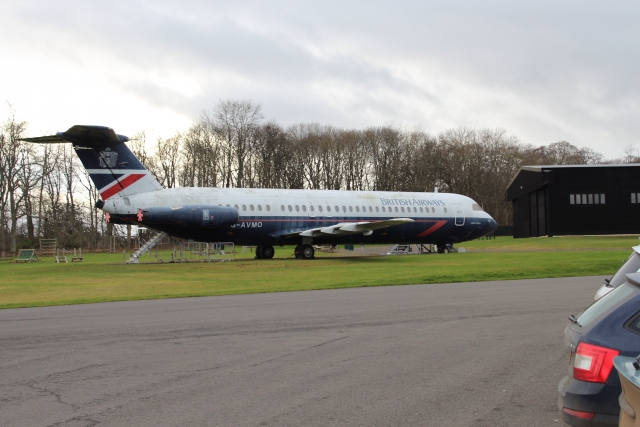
x=191, y=216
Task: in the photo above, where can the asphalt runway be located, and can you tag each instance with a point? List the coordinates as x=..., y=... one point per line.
x=465, y=354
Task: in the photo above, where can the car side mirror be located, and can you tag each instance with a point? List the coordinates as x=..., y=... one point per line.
x=607, y=282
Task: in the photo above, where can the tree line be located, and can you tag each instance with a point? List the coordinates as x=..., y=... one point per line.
x=46, y=193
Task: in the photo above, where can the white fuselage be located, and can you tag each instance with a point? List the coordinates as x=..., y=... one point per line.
x=252, y=202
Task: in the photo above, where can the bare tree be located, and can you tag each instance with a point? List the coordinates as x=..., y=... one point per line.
x=386, y=145
x=421, y=164
x=271, y=158
x=13, y=156
x=138, y=146
x=200, y=157
x=356, y=160
x=235, y=122
x=168, y=155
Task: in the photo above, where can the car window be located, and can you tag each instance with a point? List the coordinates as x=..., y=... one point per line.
x=631, y=266
x=604, y=304
x=634, y=324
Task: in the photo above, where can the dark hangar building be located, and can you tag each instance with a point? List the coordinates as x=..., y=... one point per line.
x=575, y=200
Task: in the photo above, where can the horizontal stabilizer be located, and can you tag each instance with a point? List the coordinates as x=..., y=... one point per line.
x=52, y=139
x=83, y=136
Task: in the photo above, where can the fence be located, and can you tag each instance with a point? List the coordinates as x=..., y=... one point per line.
x=175, y=250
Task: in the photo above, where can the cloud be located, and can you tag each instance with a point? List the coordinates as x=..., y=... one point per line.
x=545, y=71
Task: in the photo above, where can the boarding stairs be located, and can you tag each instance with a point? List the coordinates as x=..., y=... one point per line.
x=400, y=249
x=133, y=259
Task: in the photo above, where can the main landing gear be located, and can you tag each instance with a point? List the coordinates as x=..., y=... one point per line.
x=305, y=251
x=265, y=252
x=445, y=248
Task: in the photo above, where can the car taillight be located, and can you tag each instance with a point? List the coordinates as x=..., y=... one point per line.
x=580, y=414
x=593, y=363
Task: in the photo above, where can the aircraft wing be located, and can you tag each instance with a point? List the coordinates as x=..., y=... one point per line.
x=364, y=227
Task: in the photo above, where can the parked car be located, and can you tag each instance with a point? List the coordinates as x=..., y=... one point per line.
x=632, y=265
x=610, y=327
x=629, y=372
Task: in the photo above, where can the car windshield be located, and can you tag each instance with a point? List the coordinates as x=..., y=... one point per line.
x=605, y=303
x=631, y=266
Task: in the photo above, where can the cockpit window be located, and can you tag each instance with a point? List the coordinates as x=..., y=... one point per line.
x=476, y=207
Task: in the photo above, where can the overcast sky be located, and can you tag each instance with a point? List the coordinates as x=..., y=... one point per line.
x=544, y=71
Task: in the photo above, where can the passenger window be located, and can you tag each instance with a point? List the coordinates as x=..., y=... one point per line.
x=297, y=208
x=357, y=208
x=433, y=210
x=290, y=208
x=282, y=208
x=304, y=208
x=384, y=209
x=268, y=208
x=236, y=206
x=370, y=209
x=344, y=209
x=311, y=208
x=377, y=209
x=350, y=208
x=244, y=207
x=420, y=209
x=319, y=208
x=445, y=210
x=397, y=209
x=337, y=210
x=260, y=208
x=251, y=207
x=402, y=209
x=328, y=208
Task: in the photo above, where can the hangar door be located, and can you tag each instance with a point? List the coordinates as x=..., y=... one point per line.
x=530, y=214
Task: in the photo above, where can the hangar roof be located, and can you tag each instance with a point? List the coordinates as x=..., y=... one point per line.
x=531, y=178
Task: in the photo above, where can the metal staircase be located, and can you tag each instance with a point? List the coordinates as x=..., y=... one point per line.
x=133, y=259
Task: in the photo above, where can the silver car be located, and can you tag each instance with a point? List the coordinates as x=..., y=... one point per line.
x=632, y=265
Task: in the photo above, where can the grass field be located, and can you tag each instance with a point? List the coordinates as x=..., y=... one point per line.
x=104, y=277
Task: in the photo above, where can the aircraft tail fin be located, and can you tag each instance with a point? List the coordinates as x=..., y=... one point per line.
x=111, y=165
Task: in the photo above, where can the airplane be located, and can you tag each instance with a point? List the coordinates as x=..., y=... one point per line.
x=263, y=217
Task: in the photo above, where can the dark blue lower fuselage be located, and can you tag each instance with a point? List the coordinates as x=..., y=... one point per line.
x=274, y=230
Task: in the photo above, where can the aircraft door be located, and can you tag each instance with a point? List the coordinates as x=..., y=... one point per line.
x=459, y=212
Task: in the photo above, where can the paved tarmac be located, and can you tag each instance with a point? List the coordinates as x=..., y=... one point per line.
x=465, y=354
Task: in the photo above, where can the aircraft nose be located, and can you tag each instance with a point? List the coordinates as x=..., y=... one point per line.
x=492, y=225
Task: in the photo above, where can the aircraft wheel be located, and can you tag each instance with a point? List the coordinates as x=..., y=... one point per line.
x=307, y=252
x=259, y=252
x=268, y=252
x=298, y=252
x=445, y=250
